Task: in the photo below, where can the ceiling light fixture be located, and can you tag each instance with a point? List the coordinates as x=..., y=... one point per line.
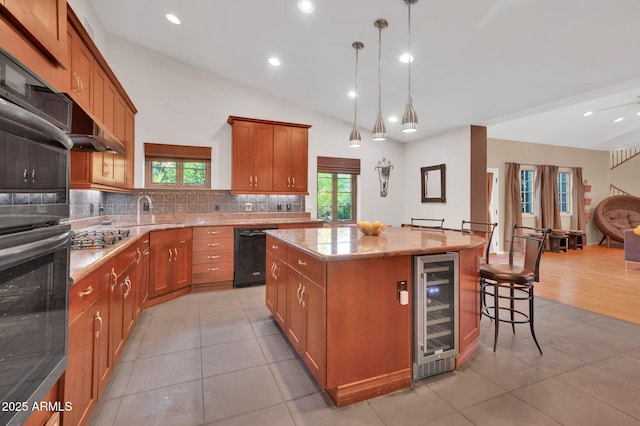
x=172, y=18
x=354, y=137
x=351, y=94
x=619, y=119
x=274, y=61
x=393, y=119
x=588, y=113
x=306, y=6
x=379, y=132
x=409, y=119
x=405, y=58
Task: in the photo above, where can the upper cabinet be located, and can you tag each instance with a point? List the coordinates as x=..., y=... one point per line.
x=44, y=23
x=81, y=72
x=268, y=157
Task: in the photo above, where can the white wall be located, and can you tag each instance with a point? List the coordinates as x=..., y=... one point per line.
x=184, y=105
x=595, y=171
x=454, y=150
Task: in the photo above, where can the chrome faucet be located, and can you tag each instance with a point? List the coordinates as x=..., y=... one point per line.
x=140, y=198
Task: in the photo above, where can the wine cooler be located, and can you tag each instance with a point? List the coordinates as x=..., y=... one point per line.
x=435, y=314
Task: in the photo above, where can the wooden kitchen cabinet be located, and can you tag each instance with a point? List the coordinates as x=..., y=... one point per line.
x=276, y=280
x=122, y=307
x=143, y=252
x=170, y=261
x=21, y=162
x=268, y=157
x=290, y=158
x=81, y=70
x=87, y=335
x=469, y=302
x=44, y=23
x=212, y=255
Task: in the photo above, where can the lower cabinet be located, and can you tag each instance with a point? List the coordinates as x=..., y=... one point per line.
x=276, y=280
x=87, y=336
x=212, y=255
x=171, y=257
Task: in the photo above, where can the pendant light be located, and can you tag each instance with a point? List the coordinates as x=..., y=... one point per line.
x=354, y=138
x=379, y=132
x=409, y=119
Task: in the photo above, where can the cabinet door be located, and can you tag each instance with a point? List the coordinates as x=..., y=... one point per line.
x=299, y=159
x=120, y=118
x=16, y=162
x=45, y=162
x=129, y=300
x=314, y=351
x=270, y=283
x=109, y=100
x=116, y=325
x=280, y=272
x=242, y=153
x=108, y=279
x=130, y=143
x=161, y=256
x=80, y=379
x=182, y=261
x=142, y=294
x=46, y=22
x=469, y=303
x=263, y=158
x=281, y=158
x=296, y=318
x=81, y=70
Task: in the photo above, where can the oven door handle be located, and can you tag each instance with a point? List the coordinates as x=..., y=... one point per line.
x=16, y=255
x=21, y=122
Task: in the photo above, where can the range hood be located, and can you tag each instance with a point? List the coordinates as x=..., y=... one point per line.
x=88, y=136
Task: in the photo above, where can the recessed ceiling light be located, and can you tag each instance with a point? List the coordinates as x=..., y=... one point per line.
x=405, y=58
x=619, y=119
x=638, y=113
x=393, y=119
x=306, y=6
x=172, y=18
x=274, y=61
x=588, y=113
x=351, y=94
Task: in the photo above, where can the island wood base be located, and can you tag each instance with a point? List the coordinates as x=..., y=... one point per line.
x=370, y=388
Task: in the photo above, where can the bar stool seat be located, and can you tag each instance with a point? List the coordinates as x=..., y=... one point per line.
x=515, y=281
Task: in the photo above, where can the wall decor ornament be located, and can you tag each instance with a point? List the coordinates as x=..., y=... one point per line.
x=384, y=170
x=433, y=184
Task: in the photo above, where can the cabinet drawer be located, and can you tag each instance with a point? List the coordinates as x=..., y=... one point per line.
x=205, y=232
x=125, y=259
x=209, y=244
x=307, y=265
x=212, y=256
x=277, y=247
x=170, y=235
x=83, y=293
x=212, y=272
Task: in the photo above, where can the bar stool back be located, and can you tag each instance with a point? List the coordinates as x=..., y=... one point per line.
x=507, y=286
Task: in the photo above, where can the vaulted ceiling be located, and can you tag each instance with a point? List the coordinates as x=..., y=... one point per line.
x=526, y=69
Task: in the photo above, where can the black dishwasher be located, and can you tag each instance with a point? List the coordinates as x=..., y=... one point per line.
x=250, y=256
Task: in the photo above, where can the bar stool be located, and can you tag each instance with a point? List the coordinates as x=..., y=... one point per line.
x=427, y=223
x=515, y=280
x=485, y=229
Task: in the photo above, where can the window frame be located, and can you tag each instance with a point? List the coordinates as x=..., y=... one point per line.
x=568, y=192
x=532, y=182
x=334, y=197
x=148, y=169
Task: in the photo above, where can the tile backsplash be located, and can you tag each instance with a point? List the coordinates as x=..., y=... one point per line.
x=88, y=203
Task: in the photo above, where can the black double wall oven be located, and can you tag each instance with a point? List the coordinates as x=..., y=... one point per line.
x=34, y=238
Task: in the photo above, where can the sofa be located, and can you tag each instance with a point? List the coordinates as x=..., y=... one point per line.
x=616, y=214
x=631, y=247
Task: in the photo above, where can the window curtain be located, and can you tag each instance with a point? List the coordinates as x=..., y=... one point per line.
x=578, y=217
x=512, y=202
x=547, y=209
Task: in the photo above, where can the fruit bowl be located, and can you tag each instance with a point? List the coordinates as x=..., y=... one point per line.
x=368, y=228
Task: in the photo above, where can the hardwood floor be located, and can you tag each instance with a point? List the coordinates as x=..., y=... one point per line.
x=594, y=279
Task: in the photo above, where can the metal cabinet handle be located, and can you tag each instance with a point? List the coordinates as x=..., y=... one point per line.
x=87, y=292
x=139, y=255
x=127, y=283
x=175, y=254
x=212, y=257
x=293, y=179
x=250, y=180
x=256, y=179
x=33, y=175
x=99, y=318
x=213, y=244
x=170, y=255
x=24, y=175
x=275, y=246
x=288, y=182
x=115, y=279
x=213, y=232
x=301, y=263
x=298, y=291
x=212, y=269
x=302, y=302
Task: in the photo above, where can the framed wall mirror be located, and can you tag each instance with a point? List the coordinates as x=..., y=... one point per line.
x=433, y=183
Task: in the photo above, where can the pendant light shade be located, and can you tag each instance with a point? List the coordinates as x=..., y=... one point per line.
x=379, y=133
x=354, y=138
x=409, y=118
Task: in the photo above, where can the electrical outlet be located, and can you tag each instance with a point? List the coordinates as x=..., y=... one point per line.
x=217, y=207
x=288, y=206
x=248, y=207
x=145, y=207
x=279, y=206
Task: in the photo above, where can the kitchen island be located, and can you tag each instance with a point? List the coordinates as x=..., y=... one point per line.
x=336, y=295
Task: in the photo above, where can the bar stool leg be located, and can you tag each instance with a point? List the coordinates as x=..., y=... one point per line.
x=533, y=333
x=512, y=308
x=496, y=310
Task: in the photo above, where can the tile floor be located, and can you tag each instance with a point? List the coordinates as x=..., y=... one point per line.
x=219, y=358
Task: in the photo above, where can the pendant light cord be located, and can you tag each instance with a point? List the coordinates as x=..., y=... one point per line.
x=379, y=67
x=409, y=58
x=355, y=100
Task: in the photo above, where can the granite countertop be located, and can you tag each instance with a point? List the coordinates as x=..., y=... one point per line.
x=85, y=261
x=345, y=243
